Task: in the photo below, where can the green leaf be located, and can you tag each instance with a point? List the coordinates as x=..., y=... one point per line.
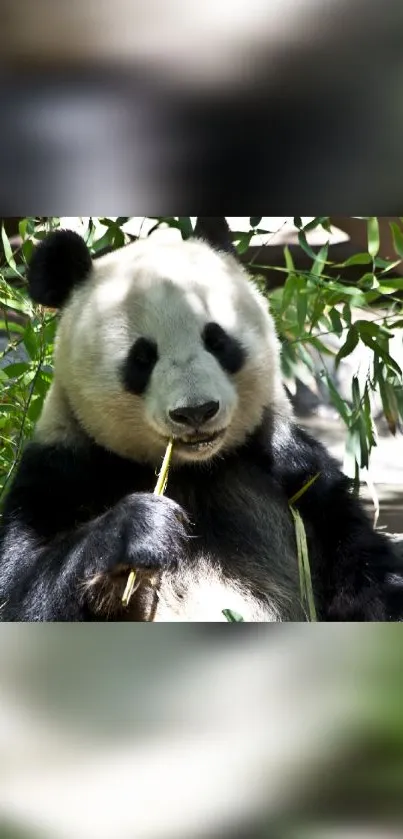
x=302, y=308
x=26, y=228
x=31, y=226
x=27, y=250
x=327, y=226
x=319, y=221
x=353, y=445
x=42, y=384
x=314, y=341
x=14, y=371
x=303, y=354
x=368, y=281
x=347, y=313
x=119, y=238
x=107, y=222
x=391, y=266
x=31, y=341
x=10, y=301
x=11, y=329
x=298, y=495
x=390, y=285
x=317, y=315
x=232, y=617
x=49, y=331
x=397, y=238
x=288, y=259
x=307, y=596
x=290, y=289
x=357, y=259
x=243, y=242
x=377, y=330
x=367, y=418
x=8, y=253
x=349, y=345
x=389, y=404
x=8, y=408
x=185, y=226
x=35, y=408
x=22, y=228
x=305, y=247
x=399, y=400
x=364, y=459
x=368, y=298
x=355, y=389
x=320, y=261
x=100, y=244
x=354, y=296
x=374, y=345
x=373, y=236
x=338, y=402
x=40, y=235
x=336, y=321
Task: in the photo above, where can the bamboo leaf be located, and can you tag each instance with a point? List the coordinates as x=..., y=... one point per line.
x=397, y=238
x=389, y=404
x=305, y=246
x=349, y=345
x=357, y=259
x=338, y=402
x=8, y=253
x=373, y=236
x=304, y=489
x=320, y=261
x=307, y=596
x=232, y=617
x=336, y=321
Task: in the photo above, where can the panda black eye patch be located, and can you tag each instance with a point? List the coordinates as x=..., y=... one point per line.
x=139, y=365
x=226, y=349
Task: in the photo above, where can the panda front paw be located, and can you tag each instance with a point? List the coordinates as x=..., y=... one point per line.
x=143, y=532
x=148, y=530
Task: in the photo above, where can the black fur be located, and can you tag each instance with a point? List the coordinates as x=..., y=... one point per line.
x=215, y=231
x=227, y=350
x=354, y=563
x=68, y=522
x=59, y=263
x=137, y=368
x=139, y=365
x=71, y=515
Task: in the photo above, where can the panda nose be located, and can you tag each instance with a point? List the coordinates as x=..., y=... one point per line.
x=195, y=415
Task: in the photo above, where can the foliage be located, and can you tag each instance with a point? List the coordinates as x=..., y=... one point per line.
x=314, y=305
x=308, y=307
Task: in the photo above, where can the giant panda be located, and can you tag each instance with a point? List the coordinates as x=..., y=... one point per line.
x=161, y=341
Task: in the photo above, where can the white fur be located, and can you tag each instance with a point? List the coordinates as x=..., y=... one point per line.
x=201, y=594
x=167, y=292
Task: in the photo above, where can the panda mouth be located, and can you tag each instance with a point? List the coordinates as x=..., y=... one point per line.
x=198, y=442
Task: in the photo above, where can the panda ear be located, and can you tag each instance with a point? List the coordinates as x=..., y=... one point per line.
x=59, y=263
x=215, y=231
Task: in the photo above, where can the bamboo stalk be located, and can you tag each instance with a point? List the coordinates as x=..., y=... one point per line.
x=160, y=488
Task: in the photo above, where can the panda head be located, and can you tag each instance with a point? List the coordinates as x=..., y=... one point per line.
x=156, y=341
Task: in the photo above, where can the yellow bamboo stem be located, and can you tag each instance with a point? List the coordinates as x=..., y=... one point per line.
x=159, y=490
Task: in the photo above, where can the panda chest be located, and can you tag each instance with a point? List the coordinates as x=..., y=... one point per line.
x=241, y=557
x=237, y=520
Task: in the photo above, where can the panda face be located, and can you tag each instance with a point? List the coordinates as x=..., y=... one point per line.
x=167, y=341
x=187, y=383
